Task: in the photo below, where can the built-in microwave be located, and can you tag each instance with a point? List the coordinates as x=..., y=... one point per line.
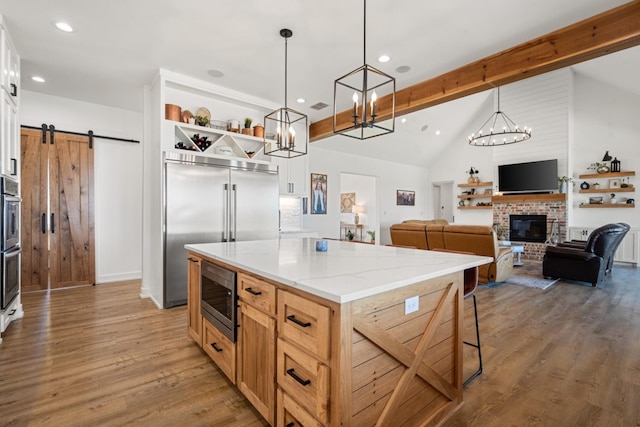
x=219, y=298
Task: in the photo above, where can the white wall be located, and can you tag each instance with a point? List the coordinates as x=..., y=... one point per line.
x=390, y=178
x=606, y=118
x=117, y=174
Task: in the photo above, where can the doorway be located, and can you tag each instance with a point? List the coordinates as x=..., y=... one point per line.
x=359, y=196
x=57, y=210
x=443, y=200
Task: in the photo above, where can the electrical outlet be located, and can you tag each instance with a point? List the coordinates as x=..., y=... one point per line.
x=411, y=304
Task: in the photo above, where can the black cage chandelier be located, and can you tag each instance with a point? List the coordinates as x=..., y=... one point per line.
x=286, y=131
x=499, y=129
x=358, y=89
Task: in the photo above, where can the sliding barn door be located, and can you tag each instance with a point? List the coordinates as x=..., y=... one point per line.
x=72, y=254
x=58, y=211
x=34, y=180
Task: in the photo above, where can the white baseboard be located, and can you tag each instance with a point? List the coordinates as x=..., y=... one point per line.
x=119, y=277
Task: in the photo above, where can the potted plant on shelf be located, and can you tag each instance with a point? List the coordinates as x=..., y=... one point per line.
x=349, y=235
x=613, y=199
x=202, y=121
x=372, y=234
x=247, y=127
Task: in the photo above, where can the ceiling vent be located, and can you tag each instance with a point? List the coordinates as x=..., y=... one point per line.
x=319, y=106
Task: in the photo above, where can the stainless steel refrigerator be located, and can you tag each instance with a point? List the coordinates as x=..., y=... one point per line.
x=213, y=200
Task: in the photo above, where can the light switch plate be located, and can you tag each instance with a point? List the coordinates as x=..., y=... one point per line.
x=411, y=304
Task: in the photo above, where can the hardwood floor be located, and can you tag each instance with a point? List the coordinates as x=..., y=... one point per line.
x=99, y=355
x=565, y=356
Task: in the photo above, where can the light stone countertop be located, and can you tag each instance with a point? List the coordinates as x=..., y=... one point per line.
x=346, y=272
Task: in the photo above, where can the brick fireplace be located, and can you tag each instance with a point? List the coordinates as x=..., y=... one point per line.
x=554, y=206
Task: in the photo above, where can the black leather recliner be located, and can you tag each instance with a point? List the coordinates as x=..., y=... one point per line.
x=580, y=244
x=588, y=263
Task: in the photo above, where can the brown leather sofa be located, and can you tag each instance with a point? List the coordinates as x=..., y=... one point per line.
x=479, y=239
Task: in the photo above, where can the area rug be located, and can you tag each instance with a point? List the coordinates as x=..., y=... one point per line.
x=530, y=281
x=530, y=275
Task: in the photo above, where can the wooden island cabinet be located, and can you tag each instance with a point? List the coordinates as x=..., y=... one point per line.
x=313, y=350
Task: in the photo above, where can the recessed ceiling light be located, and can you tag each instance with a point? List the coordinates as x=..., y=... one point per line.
x=437, y=132
x=384, y=58
x=63, y=26
x=301, y=100
x=403, y=120
x=37, y=79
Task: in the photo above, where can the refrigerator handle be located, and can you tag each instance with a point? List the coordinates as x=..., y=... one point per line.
x=232, y=237
x=225, y=225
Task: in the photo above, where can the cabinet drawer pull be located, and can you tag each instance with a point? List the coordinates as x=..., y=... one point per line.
x=252, y=292
x=193, y=259
x=291, y=424
x=215, y=347
x=296, y=321
x=14, y=89
x=291, y=372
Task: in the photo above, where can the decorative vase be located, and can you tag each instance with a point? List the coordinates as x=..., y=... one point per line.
x=476, y=179
x=471, y=179
x=563, y=187
x=602, y=169
x=258, y=131
x=467, y=202
x=585, y=185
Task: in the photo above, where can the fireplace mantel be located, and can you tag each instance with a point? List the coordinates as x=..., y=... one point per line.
x=515, y=198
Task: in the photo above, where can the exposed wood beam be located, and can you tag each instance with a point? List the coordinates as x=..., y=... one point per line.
x=600, y=35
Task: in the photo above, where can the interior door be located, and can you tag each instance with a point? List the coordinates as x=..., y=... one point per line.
x=71, y=216
x=35, y=237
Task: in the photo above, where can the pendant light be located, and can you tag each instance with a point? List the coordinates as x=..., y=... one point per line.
x=366, y=91
x=499, y=129
x=286, y=130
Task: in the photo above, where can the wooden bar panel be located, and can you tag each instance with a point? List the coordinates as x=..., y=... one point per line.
x=407, y=366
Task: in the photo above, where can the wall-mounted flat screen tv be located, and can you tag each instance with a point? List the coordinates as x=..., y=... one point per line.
x=529, y=177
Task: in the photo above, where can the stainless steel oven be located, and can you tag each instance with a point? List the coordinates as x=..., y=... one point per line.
x=9, y=241
x=219, y=298
x=10, y=206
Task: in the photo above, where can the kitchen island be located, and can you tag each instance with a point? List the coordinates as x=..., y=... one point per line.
x=357, y=335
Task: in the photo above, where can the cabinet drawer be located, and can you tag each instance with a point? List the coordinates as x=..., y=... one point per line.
x=305, y=377
x=258, y=293
x=221, y=350
x=304, y=322
x=291, y=414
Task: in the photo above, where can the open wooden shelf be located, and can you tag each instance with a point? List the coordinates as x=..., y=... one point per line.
x=607, y=175
x=477, y=184
x=474, y=196
x=609, y=190
x=475, y=207
x=607, y=205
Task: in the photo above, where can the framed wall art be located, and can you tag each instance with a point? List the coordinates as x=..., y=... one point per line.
x=318, y=193
x=347, y=200
x=614, y=183
x=405, y=198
